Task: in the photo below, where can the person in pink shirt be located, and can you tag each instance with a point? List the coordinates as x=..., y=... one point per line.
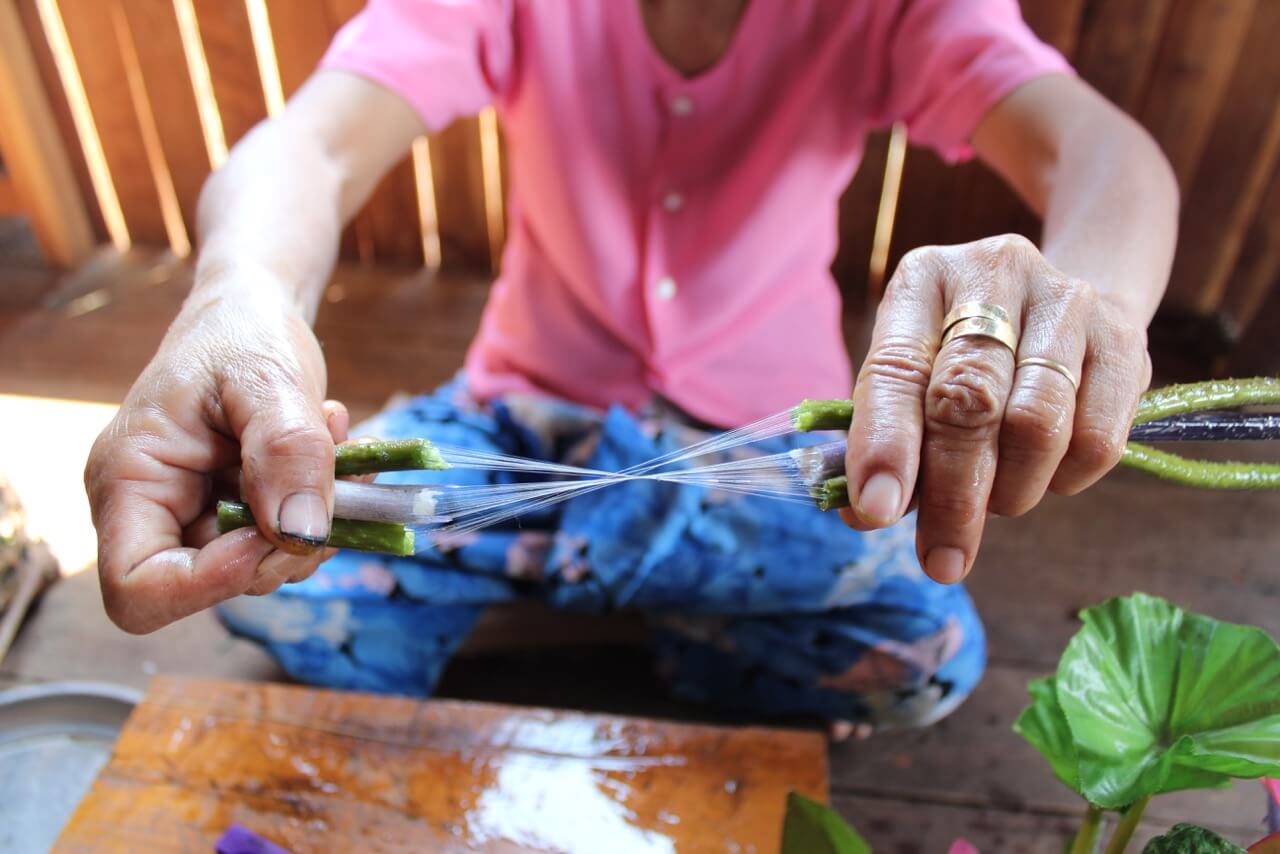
x=675, y=170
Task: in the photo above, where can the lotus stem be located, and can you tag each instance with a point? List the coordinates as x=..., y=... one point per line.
x=1203, y=474
x=394, y=455
x=1128, y=824
x=1087, y=836
x=1215, y=394
x=382, y=537
x=813, y=415
x=1161, y=403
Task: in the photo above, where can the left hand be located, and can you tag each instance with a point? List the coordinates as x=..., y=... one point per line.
x=959, y=427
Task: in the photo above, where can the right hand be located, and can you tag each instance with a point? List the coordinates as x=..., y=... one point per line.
x=237, y=386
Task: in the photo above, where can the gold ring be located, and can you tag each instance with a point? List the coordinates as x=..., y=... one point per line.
x=1041, y=362
x=982, y=327
x=974, y=309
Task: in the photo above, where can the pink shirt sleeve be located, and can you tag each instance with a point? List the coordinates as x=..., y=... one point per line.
x=447, y=58
x=951, y=61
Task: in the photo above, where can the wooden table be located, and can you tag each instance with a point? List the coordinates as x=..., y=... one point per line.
x=330, y=771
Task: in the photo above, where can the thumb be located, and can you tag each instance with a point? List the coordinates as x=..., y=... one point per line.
x=286, y=454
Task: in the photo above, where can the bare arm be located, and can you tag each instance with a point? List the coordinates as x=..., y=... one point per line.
x=279, y=203
x=238, y=384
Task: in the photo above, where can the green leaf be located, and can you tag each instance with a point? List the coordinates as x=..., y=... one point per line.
x=1191, y=839
x=1159, y=699
x=811, y=828
x=1043, y=724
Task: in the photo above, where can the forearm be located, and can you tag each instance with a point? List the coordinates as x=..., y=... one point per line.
x=1111, y=216
x=1106, y=193
x=272, y=215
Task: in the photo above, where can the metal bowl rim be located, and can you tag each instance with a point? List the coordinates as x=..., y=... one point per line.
x=70, y=689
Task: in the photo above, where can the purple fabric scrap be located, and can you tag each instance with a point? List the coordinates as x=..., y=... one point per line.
x=241, y=840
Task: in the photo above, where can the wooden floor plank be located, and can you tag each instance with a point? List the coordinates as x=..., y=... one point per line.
x=898, y=827
x=973, y=759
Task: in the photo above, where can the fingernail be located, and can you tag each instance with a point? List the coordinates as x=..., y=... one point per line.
x=304, y=517
x=944, y=564
x=880, y=498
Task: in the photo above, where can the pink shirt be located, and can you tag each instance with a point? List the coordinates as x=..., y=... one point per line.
x=674, y=236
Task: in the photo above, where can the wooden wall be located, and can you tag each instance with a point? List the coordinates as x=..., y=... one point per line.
x=1203, y=76
x=171, y=84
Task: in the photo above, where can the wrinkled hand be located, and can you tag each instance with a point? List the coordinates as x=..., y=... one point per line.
x=962, y=431
x=237, y=385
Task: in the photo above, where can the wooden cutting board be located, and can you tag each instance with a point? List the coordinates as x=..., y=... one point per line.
x=331, y=771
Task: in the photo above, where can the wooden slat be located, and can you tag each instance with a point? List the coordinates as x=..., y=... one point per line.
x=858, y=207
x=57, y=101
x=158, y=44
x=392, y=217
x=1239, y=157
x=889, y=824
x=1197, y=57
x=37, y=177
x=1256, y=277
x=1057, y=22
x=9, y=204
x=1118, y=46
x=233, y=68
x=1256, y=354
x=92, y=35
x=301, y=31
x=459, y=189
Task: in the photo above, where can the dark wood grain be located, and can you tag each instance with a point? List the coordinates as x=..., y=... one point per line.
x=61, y=112
x=393, y=219
x=1117, y=47
x=458, y=174
x=1257, y=272
x=893, y=825
x=233, y=68
x=1188, y=83
x=1240, y=155
x=974, y=760
x=858, y=210
x=158, y=47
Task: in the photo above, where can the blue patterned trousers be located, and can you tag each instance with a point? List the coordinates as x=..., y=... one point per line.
x=754, y=603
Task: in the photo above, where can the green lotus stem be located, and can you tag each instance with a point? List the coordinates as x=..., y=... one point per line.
x=1087, y=836
x=1215, y=394
x=1204, y=474
x=1128, y=824
x=832, y=493
x=813, y=415
x=1161, y=403
x=394, y=455
x=382, y=537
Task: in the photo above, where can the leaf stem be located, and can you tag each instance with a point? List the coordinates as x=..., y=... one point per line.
x=1128, y=824
x=1087, y=836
